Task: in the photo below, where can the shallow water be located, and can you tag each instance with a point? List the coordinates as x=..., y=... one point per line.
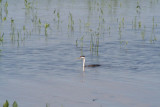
x=41, y=68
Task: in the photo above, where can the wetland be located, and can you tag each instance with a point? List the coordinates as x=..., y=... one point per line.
x=40, y=41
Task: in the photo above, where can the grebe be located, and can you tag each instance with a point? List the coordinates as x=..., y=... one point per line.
x=93, y=65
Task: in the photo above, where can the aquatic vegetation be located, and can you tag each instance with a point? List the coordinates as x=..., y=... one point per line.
x=12, y=30
x=0, y=13
x=87, y=24
x=135, y=22
x=5, y=9
x=139, y=24
x=24, y=28
x=47, y=105
x=71, y=22
x=155, y=39
x=46, y=27
x=99, y=30
x=6, y=104
x=39, y=25
x=97, y=45
x=27, y=4
x=138, y=7
x=143, y=34
x=82, y=42
x=4, y=19
x=77, y=43
x=80, y=24
x=1, y=37
x=15, y=104
x=94, y=42
x=153, y=22
x=123, y=22
x=109, y=30
x=97, y=11
x=39, y=21
x=120, y=4
x=58, y=16
x=123, y=43
x=12, y=22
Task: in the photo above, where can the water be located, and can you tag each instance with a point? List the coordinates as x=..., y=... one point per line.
x=41, y=68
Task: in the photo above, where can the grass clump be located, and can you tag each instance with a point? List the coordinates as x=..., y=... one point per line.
x=27, y=4
x=6, y=104
x=1, y=37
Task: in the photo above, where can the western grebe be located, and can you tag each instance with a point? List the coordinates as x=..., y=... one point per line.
x=92, y=65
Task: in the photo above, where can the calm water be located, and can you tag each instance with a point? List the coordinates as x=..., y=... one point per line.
x=39, y=68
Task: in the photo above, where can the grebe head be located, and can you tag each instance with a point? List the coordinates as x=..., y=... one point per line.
x=82, y=57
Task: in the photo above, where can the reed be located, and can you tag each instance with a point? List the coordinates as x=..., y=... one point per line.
x=153, y=22
x=27, y=4
x=58, y=16
x=4, y=19
x=39, y=22
x=12, y=34
x=46, y=27
x=135, y=22
x=71, y=22
x=139, y=24
x=5, y=9
x=143, y=34
x=0, y=13
x=1, y=37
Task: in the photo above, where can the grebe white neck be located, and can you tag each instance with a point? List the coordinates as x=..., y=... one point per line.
x=83, y=62
x=83, y=57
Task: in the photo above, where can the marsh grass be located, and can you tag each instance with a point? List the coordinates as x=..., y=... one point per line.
x=27, y=4
x=153, y=22
x=39, y=26
x=6, y=8
x=139, y=24
x=143, y=35
x=46, y=26
x=0, y=12
x=70, y=22
x=135, y=22
x=86, y=27
x=1, y=38
x=57, y=17
x=13, y=28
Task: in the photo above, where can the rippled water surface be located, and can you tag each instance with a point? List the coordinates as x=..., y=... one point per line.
x=39, y=65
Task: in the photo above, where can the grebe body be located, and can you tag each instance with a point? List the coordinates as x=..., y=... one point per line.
x=92, y=65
